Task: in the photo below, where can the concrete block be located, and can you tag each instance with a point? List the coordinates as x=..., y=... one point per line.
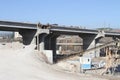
x=49, y=55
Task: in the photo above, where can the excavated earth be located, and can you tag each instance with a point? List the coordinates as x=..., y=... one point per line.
x=19, y=62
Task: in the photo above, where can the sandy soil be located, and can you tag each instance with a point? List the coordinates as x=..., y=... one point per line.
x=17, y=63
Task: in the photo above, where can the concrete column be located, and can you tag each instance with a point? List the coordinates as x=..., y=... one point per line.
x=48, y=46
x=42, y=41
x=51, y=41
x=53, y=47
x=48, y=42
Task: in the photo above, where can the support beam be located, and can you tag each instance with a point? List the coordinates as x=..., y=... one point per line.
x=28, y=36
x=90, y=41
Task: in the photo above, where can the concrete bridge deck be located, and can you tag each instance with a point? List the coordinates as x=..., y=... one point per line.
x=16, y=26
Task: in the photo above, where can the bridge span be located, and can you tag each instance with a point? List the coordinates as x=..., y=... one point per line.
x=16, y=26
x=44, y=36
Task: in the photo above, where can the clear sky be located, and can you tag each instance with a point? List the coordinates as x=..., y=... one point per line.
x=88, y=13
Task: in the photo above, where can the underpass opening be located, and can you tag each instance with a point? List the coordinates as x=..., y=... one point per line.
x=67, y=45
x=7, y=36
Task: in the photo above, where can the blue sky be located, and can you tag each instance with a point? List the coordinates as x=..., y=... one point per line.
x=87, y=13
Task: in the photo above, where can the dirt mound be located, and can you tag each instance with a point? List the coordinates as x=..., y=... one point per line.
x=24, y=64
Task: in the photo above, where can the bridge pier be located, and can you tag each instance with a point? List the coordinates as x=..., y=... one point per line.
x=90, y=42
x=40, y=38
x=42, y=41
x=53, y=47
x=50, y=44
x=47, y=44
